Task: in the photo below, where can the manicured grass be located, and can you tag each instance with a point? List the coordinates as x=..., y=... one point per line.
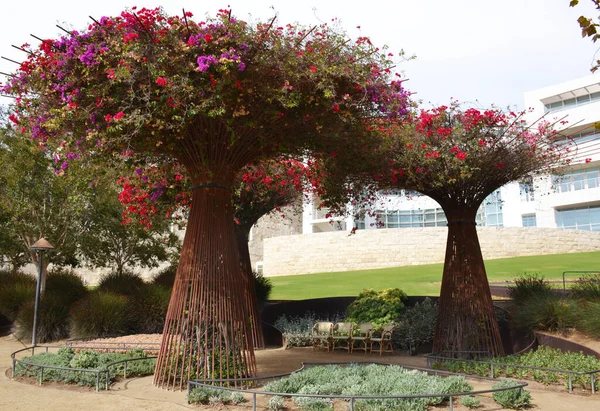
x=424, y=279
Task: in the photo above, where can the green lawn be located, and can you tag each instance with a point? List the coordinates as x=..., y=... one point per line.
x=423, y=279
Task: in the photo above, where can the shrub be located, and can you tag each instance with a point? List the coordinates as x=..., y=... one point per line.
x=587, y=288
x=376, y=307
x=52, y=321
x=125, y=283
x=313, y=403
x=66, y=285
x=148, y=308
x=100, y=314
x=416, y=325
x=527, y=286
x=469, y=401
x=297, y=331
x=166, y=277
x=214, y=396
x=85, y=359
x=16, y=289
x=589, y=318
x=263, y=287
x=514, y=399
x=546, y=312
x=276, y=403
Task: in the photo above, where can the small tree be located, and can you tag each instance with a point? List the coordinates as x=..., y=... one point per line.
x=458, y=158
x=108, y=242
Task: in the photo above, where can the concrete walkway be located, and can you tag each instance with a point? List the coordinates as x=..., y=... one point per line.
x=140, y=394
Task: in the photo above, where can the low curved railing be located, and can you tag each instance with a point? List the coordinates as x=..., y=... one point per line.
x=210, y=383
x=99, y=372
x=436, y=357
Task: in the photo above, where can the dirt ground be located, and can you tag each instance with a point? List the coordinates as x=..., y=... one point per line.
x=140, y=394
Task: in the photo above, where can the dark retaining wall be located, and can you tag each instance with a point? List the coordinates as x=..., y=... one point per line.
x=513, y=340
x=564, y=345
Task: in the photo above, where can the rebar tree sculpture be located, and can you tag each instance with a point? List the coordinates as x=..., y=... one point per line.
x=257, y=191
x=214, y=95
x=458, y=158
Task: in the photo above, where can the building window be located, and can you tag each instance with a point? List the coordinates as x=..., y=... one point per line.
x=493, y=210
x=572, y=102
x=259, y=268
x=529, y=220
x=526, y=191
x=577, y=180
x=359, y=222
x=580, y=218
x=433, y=217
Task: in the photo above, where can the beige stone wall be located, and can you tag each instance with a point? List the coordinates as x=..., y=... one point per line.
x=338, y=251
x=274, y=225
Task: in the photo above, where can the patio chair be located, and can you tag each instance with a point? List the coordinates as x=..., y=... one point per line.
x=321, y=335
x=384, y=341
x=361, y=337
x=342, y=332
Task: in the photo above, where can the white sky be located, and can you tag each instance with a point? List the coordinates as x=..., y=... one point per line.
x=482, y=51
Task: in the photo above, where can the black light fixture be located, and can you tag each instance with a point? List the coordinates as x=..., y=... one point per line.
x=40, y=246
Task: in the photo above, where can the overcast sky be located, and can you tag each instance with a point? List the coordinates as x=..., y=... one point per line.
x=482, y=51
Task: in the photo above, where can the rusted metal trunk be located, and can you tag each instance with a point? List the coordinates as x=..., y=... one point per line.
x=466, y=320
x=207, y=331
x=250, y=291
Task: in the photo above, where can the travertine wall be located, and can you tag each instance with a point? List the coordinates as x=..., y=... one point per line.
x=339, y=251
x=286, y=222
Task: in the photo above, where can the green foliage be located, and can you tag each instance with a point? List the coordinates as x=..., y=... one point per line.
x=86, y=359
x=66, y=285
x=123, y=283
x=371, y=379
x=147, y=309
x=263, y=287
x=314, y=404
x=53, y=319
x=166, y=277
x=587, y=288
x=543, y=357
x=515, y=399
x=276, y=403
x=16, y=289
x=100, y=314
x=376, y=307
x=297, y=331
x=416, y=325
x=546, y=312
x=214, y=396
x=529, y=285
x=589, y=318
x=470, y=401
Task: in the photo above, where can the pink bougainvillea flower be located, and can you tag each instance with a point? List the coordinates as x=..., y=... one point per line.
x=587, y=160
x=313, y=69
x=161, y=81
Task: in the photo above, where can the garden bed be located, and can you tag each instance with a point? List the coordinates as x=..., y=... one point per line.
x=362, y=386
x=545, y=365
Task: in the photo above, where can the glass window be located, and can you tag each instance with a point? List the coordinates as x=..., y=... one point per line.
x=583, y=99
x=595, y=96
x=580, y=218
x=569, y=103
x=529, y=220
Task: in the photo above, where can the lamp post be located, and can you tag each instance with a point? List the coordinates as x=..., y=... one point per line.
x=40, y=246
